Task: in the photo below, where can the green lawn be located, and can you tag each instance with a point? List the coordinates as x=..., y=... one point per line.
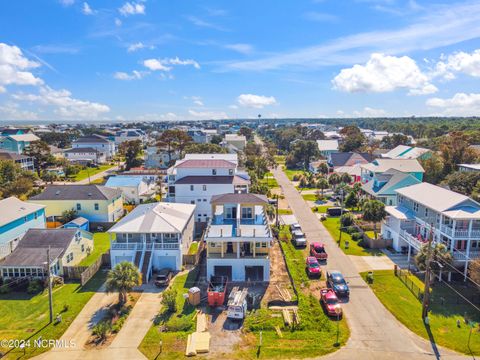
x=443, y=318
x=291, y=173
x=321, y=208
x=25, y=316
x=285, y=212
x=83, y=174
x=181, y=323
x=270, y=181
x=309, y=197
x=332, y=224
x=101, y=244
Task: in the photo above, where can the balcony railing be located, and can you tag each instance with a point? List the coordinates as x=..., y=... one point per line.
x=141, y=246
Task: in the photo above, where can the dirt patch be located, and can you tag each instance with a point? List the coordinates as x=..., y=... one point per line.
x=280, y=288
x=225, y=333
x=282, y=203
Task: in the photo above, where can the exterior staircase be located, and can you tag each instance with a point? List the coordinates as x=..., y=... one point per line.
x=146, y=266
x=138, y=258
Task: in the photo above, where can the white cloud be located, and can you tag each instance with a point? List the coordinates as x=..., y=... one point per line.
x=67, y=2
x=135, y=75
x=135, y=47
x=320, y=17
x=155, y=65
x=459, y=104
x=207, y=115
x=198, y=102
x=233, y=107
x=14, y=66
x=370, y=112
x=86, y=9
x=64, y=104
x=240, y=48
x=177, y=61
x=12, y=111
x=202, y=23
x=161, y=65
x=439, y=27
x=384, y=73
x=459, y=62
x=132, y=8
x=118, y=22
x=255, y=101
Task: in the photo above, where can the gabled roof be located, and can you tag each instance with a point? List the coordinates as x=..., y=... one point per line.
x=206, y=164
x=77, y=192
x=387, y=180
x=235, y=180
x=242, y=198
x=405, y=165
x=341, y=158
x=92, y=139
x=127, y=181
x=10, y=155
x=81, y=150
x=470, y=166
x=24, y=137
x=405, y=152
x=12, y=209
x=159, y=217
x=327, y=145
x=228, y=157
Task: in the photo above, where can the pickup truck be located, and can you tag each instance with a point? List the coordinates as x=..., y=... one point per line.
x=313, y=267
x=318, y=251
x=329, y=300
x=298, y=238
x=163, y=277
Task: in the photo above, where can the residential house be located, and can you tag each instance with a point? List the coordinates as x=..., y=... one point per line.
x=16, y=218
x=159, y=159
x=24, y=161
x=153, y=236
x=327, y=147
x=94, y=202
x=85, y=155
x=408, y=152
x=425, y=210
x=378, y=166
x=129, y=135
x=384, y=185
x=349, y=163
x=135, y=189
x=235, y=142
x=238, y=238
x=97, y=142
x=468, y=167
x=66, y=247
x=198, y=177
x=199, y=136
x=14, y=131
x=17, y=143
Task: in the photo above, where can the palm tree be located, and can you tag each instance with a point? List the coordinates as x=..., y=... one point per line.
x=440, y=255
x=322, y=184
x=374, y=211
x=123, y=278
x=334, y=180
x=323, y=168
x=346, y=178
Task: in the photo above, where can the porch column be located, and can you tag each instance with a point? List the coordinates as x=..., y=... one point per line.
x=453, y=228
x=467, y=258
x=470, y=223
x=238, y=249
x=409, y=252
x=221, y=249
x=254, y=248
x=208, y=249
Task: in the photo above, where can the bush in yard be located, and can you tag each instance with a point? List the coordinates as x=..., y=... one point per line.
x=182, y=323
x=101, y=330
x=35, y=286
x=347, y=220
x=169, y=300
x=356, y=236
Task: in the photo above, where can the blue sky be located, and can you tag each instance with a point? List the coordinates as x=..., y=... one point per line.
x=158, y=59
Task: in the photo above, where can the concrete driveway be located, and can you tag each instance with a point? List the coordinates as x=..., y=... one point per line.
x=375, y=333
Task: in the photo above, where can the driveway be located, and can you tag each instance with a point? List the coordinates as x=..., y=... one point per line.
x=375, y=333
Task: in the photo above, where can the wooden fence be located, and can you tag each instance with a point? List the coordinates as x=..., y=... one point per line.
x=193, y=259
x=85, y=273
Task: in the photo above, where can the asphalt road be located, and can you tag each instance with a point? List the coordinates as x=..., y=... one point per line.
x=375, y=333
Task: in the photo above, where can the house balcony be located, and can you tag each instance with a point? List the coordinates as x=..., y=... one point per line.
x=141, y=246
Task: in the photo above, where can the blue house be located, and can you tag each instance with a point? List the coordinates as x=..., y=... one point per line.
x=379, y=166
x=16, y=218
x=17, y=143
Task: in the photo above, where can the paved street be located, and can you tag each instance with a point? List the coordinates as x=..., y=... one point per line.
x=375, y=333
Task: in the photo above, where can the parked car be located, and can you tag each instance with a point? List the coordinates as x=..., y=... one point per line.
x=163, y=277
x=295, y=227
x=237, y=304
x=337, y=283
x=330, y=302
x=298, y=238
x=318, y=251
x=313, y=267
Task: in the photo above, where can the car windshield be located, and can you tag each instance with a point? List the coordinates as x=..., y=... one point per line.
x=319, y=248
x=314, y=265
x=161, y=277
x=332, y=301
x=338, y=280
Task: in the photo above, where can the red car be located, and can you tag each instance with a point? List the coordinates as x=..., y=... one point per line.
x=318, y=251
x=329, y=300
x=313, y=267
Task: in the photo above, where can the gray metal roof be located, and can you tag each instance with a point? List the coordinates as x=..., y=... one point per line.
x=77, y=192
x=242, y=198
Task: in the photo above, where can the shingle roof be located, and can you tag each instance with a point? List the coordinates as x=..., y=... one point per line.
x=341, y=158
x=405, y=165
x=10, y=155
x=390, y=178
x=242, y=198
x=11, y=209
x=326, y=145
x=82, y=150
x=92, y=139
x=206, y=163
x=77, y=192
x=236, y=180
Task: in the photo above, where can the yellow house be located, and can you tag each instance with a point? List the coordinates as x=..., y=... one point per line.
x=94, y=202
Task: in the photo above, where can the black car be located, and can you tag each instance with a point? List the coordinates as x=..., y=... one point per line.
x=336, y=282
x=163, y=277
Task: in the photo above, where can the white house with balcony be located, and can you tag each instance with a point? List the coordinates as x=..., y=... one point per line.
x=238, y=238
x=423, y=209
x=153, y=236
x=198, y=177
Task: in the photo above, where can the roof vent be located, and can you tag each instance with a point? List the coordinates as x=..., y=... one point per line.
x=57, y=192
x=90, y=194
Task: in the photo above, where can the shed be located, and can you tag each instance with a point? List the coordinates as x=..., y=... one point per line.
x=79, y=223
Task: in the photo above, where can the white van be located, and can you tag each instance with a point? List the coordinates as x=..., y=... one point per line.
x=237, y=304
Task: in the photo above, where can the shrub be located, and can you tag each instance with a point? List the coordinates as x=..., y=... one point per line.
x=169, y=300
x=179, y=324
x=34, y=286
x=4, y=289
x=347, y=219
x=102, y=329
x=356, y=236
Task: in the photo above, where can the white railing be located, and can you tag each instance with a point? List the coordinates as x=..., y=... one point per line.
x=124, y=246
x=160, y=246
x=412, y=240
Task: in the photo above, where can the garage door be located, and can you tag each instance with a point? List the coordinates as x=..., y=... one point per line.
x=223, y=271
x=167, y=262
x=253, y=273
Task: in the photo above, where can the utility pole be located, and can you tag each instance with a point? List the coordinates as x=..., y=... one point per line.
x=426, y=291
x=50, y=299
x=276, y=212
x=340, y=222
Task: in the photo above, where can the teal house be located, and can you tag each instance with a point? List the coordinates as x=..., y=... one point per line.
x=17, y=143
x=379, y=166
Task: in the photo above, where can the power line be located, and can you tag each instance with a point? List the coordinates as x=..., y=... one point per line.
x=454, y=268
x=463, y=297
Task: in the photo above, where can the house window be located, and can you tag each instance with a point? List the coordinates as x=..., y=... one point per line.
x=204, y=200
x=192, y=201
x=426, y=212
x=79, y=207
x=230, y=171
x=214, y=171
x=247, y=213
x=83, y=247
x=191, y=187
x=204, y=187
x=415, y=207
x=96, y=206
x=36, y=216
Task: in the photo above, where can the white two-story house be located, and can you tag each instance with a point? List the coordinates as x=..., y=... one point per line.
x=104, y=147
x=198, y=177
x=424, y=209
x=153, y=236
x=238, y=238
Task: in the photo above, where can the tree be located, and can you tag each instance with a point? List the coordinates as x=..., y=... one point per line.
x=455, y=149
x=323, y=168
x=474, y=271
x=131, y=149
x=247, y=132
x=334, y=180
x=440, y=255
x=345, y=178
x=390, y=142
x=169, y=300
x=347, y=219
x=49, y=177
x=194, y=148
x=14, y=181
x=173, y=141
x=123, y=278
x=433, y=167
x=40, y=152
x=351, y=201
x=322, y=184
x=216, y=139
x=353, y=139
x=463, y=182
x=304, y=151
x=69, y=215
x=374, y=211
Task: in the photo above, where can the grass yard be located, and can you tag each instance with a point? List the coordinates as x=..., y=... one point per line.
x=25, y=316
x=193, y=248
x=291, y=173
x=332, y=224
x=179, y=324
x=101, y=244
x=309, y=197
x=285, y=212
x=83, y=174
x=269, y=180
x=443, y=318
x=321, y=208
